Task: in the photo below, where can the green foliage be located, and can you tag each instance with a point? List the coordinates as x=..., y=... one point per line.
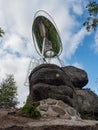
x=8, y=92
x=30, y=111
x=92, y=19
x=1, y=32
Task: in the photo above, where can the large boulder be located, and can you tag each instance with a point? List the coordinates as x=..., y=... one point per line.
x=50, y=81
x=77, y=76
x=49, y=74
x=43, y=91
x=88, y=103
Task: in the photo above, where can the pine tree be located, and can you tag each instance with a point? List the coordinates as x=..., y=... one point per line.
x=8, y=92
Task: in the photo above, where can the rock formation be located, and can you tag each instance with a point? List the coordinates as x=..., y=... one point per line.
x=59, y=96
x=88, y=103
x=50, y=81
x=66, y=84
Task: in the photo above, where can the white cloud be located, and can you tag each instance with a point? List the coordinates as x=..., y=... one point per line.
x=73, y=42
x=14, y=43
x=77, y=6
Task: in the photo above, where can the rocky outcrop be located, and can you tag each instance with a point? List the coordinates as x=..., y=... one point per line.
x=66, y=84
x=50, y=81
x=57, y=93
x=57, y=108
x=9, y=120
x=77, y=76
x=88, y=103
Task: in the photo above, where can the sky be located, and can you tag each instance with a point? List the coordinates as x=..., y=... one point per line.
x=80, y=48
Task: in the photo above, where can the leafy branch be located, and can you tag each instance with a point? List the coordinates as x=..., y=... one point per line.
x=92, y=20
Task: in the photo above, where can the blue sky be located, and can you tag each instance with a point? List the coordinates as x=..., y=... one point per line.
x=80, y=48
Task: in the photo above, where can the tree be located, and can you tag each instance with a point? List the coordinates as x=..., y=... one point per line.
x=1, y=32
x=8, y=92
x=92, y=19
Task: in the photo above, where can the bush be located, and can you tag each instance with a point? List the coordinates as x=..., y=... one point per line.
x=30, y=111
